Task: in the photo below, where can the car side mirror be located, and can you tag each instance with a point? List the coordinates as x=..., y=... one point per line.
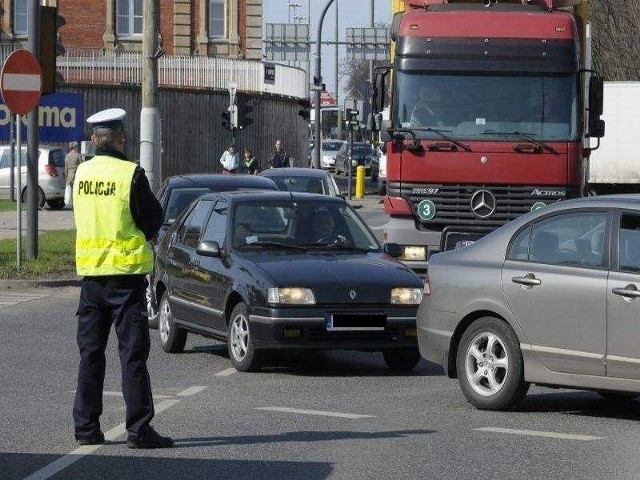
x=392, y=249
x=208, y=249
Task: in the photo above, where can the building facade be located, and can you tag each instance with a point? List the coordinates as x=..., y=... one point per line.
x=226, y=28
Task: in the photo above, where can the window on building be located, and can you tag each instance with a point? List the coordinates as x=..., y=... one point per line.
x=217, y=18
x=21, y=17
x=129, y=17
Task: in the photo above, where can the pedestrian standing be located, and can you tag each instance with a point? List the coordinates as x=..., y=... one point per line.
x=71, y=162
x=229, y=160
x=116, y=214
x=279, y=157
x=250, y=162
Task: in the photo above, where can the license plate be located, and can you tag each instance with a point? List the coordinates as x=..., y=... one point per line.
x=349, y=322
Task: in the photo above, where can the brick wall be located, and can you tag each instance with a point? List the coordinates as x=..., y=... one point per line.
x=85, y=25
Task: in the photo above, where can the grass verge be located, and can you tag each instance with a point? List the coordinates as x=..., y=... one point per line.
x=56, y=257
x=8, y=206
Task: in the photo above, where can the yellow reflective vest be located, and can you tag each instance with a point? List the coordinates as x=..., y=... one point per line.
x=108, y=242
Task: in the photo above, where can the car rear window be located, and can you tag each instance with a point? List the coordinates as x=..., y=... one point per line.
x=57, y=158
x=180, y=199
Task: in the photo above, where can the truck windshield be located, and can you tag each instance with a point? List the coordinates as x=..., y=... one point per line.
x=479, y=107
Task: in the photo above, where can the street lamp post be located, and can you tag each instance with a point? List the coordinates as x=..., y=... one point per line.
x=318, y=85
x=295, y=6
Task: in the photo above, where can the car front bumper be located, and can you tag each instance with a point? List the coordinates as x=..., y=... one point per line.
x=307, y=330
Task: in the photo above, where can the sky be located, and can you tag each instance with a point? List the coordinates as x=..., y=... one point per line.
x=351, y=14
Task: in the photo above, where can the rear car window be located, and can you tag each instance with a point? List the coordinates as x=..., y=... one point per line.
x=57, y=158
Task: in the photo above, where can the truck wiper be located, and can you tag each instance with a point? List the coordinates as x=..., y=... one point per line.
x=441, y=132
x=528, y=137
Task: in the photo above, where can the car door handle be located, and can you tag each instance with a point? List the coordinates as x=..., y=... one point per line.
x=626, y=292
x=529, y=280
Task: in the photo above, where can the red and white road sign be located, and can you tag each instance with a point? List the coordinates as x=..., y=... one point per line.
x=21, y=82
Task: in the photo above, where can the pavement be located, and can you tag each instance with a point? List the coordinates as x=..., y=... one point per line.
x=370, y=207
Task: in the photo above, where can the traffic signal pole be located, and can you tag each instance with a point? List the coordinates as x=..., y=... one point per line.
x=32, y=142
x=317, y=85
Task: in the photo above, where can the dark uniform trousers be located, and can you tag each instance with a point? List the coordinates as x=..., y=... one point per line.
x=104, y=301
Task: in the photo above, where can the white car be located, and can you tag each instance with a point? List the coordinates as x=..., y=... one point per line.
x=328, y=154
x=382, y=172
x=51, y=181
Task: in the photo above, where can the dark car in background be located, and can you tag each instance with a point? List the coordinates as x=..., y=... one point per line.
x=177, y=192
x=362, y=154
x=307, y=180
x=284, y=271
x=551, y=298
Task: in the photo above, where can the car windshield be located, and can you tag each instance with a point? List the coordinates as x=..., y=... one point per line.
x=300, y=184
x=180, y=199
x=331, y=146
x=300, y=223
x=486, y=107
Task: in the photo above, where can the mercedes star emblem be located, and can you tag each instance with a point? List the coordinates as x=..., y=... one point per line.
x=483, y=203
x=353, y=294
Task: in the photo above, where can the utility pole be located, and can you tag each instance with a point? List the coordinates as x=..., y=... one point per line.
x=149, y=114
x=337, y=82
x=317, y=84
x=32, y=140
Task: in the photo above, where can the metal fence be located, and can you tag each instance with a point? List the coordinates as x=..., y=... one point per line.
x=112, y=67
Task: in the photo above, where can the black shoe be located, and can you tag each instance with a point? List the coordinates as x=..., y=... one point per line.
x=149, y=439
x=95, y=438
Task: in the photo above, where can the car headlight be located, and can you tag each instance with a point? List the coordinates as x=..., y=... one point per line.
x=406, y=296
x=413, y=253
x=291, y=296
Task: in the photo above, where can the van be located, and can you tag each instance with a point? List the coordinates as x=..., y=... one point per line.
x=51, y=179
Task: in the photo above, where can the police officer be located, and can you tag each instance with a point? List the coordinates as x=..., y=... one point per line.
x=115, y=214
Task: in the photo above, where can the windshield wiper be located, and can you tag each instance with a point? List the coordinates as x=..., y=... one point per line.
x=274, y=244
x=334, y=246
x=528, y=137
x=441, y=132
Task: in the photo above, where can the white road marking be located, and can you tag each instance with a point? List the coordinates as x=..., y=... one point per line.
x=191, y=391
x=70, y=458
x=119, y=394
x=537, y=433
x=8, y=299
x=226, y=373
x=314, y=412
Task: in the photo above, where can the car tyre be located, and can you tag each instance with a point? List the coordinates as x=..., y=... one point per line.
x=41, y=197
x=56, y=204
x=172, y=337
x=401, y=360
x=490, y=366
x=242, y=353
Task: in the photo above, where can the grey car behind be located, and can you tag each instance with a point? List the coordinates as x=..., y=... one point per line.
x=552, y=298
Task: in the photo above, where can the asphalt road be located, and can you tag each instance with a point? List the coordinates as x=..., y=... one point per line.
x=331, y=415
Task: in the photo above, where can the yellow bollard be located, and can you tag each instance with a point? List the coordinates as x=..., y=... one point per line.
x=360, y=181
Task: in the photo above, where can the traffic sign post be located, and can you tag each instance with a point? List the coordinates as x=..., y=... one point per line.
x=21, y=87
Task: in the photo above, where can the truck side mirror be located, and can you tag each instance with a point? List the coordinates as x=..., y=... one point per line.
x=379, y=88
x=385, y=136
x=376, y=125
x=596, y=100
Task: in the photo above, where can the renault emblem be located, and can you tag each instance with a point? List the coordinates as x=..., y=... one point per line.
x=483, y=203
x=353, y=294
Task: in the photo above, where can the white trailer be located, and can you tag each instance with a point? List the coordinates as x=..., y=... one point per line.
x=615, y=166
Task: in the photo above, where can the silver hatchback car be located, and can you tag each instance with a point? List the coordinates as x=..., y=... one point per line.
x=552, y=298
x=51, y=181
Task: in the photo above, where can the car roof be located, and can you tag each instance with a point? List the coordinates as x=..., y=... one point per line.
x=631, y=200
x=294, y=172
x=272, y=195
x=209, y=179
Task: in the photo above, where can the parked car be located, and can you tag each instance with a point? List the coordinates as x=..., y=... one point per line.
x=178, y=191
x=382, y=169
x=283, y=271
x=549, y=298
x=51, y=180
x=330, y=149
x=362, y=154
x=303, y=180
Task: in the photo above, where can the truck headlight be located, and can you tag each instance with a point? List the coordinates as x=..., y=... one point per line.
x=406, y=296
x=413, y=253
x=291, y=296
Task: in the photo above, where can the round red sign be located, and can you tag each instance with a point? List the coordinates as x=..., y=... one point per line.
x=21, y=82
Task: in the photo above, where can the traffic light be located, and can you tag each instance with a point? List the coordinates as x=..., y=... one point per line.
x=305, y=112
x=244, y=114
x=351, y=118
x=226, y=119
x=50, y=47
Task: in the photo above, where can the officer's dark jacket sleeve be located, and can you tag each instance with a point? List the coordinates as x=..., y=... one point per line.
x=145, y=208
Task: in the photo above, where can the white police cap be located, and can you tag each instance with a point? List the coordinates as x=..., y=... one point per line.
x=109, y=118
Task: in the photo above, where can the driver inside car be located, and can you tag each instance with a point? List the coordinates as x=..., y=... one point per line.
x=323, y=226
